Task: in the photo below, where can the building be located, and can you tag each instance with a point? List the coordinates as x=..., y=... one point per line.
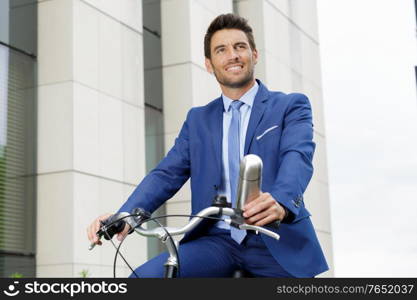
x=95, y=95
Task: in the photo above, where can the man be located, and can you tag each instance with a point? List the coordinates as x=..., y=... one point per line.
x=247, y=118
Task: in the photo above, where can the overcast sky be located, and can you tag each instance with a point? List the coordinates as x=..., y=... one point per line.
x=368, y=51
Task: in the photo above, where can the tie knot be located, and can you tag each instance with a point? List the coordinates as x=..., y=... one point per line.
x=236, y=104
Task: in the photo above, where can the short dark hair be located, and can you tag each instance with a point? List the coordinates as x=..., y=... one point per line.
x=227, y=21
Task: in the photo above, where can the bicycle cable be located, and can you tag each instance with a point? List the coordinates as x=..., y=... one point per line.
x=118, y=249
x=118, y=252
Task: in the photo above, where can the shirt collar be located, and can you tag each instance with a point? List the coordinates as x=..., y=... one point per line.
x=247, y=98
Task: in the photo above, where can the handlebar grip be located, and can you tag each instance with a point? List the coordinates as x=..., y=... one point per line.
x=109, y=231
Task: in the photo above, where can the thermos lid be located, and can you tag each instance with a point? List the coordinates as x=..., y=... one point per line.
x=251, y=167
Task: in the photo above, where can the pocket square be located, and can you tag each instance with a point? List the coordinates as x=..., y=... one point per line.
x=266, y=131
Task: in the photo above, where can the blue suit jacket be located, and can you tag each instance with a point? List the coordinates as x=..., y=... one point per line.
x=286, y=151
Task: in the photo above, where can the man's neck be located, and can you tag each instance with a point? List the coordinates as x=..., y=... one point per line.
x=236, y=93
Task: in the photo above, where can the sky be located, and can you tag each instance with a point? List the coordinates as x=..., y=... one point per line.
x=368, y=53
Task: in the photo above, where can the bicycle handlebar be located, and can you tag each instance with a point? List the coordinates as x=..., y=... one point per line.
x=162, y=233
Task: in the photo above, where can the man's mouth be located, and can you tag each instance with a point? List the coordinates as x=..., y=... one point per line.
x=234, y=68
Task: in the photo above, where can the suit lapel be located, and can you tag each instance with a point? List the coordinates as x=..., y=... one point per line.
x=258, y=109
x=216, y=131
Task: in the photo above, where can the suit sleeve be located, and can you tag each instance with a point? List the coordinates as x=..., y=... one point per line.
x=166, y=179
x=296, y=153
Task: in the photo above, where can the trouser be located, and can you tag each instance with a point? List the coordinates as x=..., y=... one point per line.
x=217, y=255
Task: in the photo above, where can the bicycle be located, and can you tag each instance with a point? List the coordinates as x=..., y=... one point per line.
x=249, y=186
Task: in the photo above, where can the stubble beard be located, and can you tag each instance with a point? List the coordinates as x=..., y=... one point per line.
x=235, y=84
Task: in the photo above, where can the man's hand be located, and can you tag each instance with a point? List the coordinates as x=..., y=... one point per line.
x=95, y=226
x=263, y=210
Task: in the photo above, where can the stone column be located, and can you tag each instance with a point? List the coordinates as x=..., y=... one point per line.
x=90, y=130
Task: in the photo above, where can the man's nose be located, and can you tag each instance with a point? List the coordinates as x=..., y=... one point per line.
x=232, y=54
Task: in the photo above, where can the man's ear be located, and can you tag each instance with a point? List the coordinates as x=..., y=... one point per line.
x=209, y=68
x=255, y=56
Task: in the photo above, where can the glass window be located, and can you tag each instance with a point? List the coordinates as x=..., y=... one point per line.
x=17, y=138
x=152, y=58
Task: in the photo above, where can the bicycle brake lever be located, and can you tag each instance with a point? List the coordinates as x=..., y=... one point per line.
x=260, y=229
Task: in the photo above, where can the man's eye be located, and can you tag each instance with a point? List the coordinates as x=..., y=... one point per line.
x=220, y=50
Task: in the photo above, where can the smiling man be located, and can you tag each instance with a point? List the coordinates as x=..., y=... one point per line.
x=247, y=118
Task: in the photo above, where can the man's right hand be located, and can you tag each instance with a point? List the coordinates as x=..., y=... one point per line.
x=95, y=226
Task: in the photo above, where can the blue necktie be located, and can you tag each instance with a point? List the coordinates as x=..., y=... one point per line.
x=234, y=162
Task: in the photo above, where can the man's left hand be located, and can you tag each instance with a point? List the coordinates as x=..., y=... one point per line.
x=263, y=210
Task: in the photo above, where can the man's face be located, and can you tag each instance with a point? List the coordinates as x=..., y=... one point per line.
x=232, y=59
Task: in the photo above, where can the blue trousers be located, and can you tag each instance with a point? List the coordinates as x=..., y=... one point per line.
x=218, y=255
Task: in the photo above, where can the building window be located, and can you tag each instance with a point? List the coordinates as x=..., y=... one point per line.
x=17, y=138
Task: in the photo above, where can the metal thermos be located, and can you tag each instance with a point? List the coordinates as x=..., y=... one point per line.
x=250, y=180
